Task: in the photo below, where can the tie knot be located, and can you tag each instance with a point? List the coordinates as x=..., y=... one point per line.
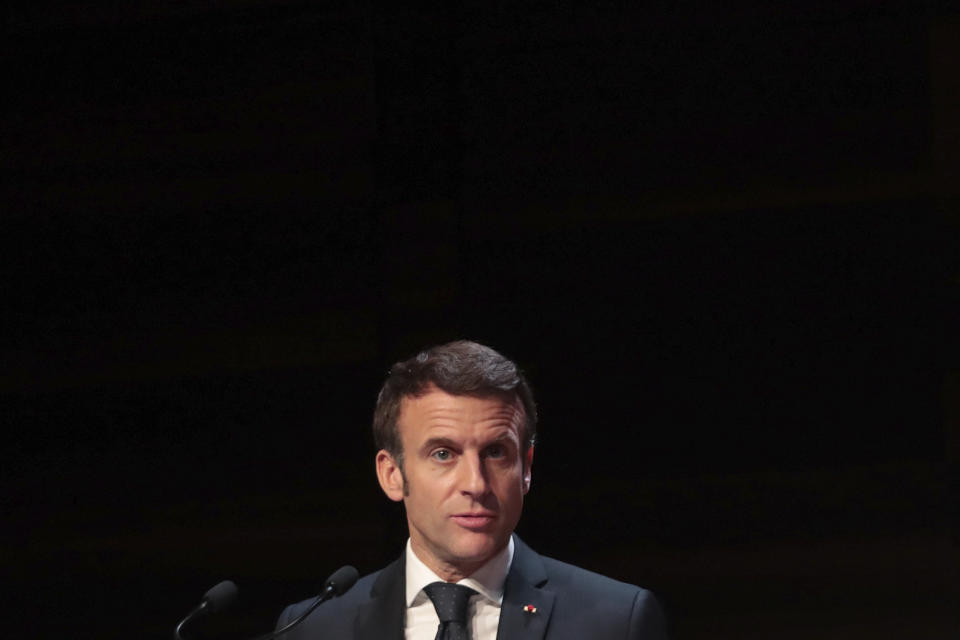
x=450, y=600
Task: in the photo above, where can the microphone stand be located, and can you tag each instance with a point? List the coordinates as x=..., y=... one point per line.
x=337, y=584
x=223, y=594
x=218, y=598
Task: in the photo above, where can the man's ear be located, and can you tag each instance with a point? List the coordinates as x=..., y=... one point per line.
x=527, y=464
x=389, y=475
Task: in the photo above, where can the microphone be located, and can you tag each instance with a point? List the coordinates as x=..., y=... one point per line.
x=337, y=584
x=218, y=598
x=341, y=580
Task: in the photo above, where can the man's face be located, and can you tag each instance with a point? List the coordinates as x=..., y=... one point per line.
x=465, y=477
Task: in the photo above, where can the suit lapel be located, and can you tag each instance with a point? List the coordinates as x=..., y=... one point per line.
x=382, y=617
x=522, y=592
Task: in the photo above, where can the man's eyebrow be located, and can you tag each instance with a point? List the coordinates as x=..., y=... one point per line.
x=504, y=439
x=437, y=441
x=441, y=441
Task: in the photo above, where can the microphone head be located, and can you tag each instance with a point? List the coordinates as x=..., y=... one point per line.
x=341, y=580
x=220, y=596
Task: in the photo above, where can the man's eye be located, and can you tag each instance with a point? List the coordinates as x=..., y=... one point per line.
x=442, y=455
x=496, y=451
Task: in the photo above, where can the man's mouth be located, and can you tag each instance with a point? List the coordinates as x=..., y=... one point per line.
x=474, y=520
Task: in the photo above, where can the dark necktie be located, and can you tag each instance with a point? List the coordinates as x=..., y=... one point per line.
x=450, y=601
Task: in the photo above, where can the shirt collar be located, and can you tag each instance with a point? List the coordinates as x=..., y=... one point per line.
x=487, y=580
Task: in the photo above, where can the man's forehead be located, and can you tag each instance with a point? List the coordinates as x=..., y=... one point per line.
x=435, y=402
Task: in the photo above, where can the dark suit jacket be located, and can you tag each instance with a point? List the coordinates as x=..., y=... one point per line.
x=571, y=604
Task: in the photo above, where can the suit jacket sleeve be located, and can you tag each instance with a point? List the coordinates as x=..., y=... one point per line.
x=647, y=621
x=284, y=617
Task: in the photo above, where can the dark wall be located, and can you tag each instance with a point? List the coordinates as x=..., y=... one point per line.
x=722, y=243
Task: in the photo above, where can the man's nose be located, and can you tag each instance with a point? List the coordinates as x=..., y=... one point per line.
x=474, y=475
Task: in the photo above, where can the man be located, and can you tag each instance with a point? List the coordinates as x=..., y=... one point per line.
x=455, y=427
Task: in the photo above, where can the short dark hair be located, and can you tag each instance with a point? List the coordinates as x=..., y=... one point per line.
x=460, y=368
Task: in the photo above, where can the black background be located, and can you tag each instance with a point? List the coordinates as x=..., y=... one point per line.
x=721, y=242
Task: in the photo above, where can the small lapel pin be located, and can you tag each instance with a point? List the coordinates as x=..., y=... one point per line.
x=529, y=608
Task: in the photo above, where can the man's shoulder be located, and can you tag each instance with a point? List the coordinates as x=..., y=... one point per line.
x=571, y=577
x=563, y=574
x=589, y=604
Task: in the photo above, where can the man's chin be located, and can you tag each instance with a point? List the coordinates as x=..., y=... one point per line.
x=478, y=547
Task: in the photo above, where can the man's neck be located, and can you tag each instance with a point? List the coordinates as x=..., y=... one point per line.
x=487, y=578
x=449, y=572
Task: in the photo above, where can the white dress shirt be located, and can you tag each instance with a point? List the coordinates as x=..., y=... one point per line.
x=483, y=612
